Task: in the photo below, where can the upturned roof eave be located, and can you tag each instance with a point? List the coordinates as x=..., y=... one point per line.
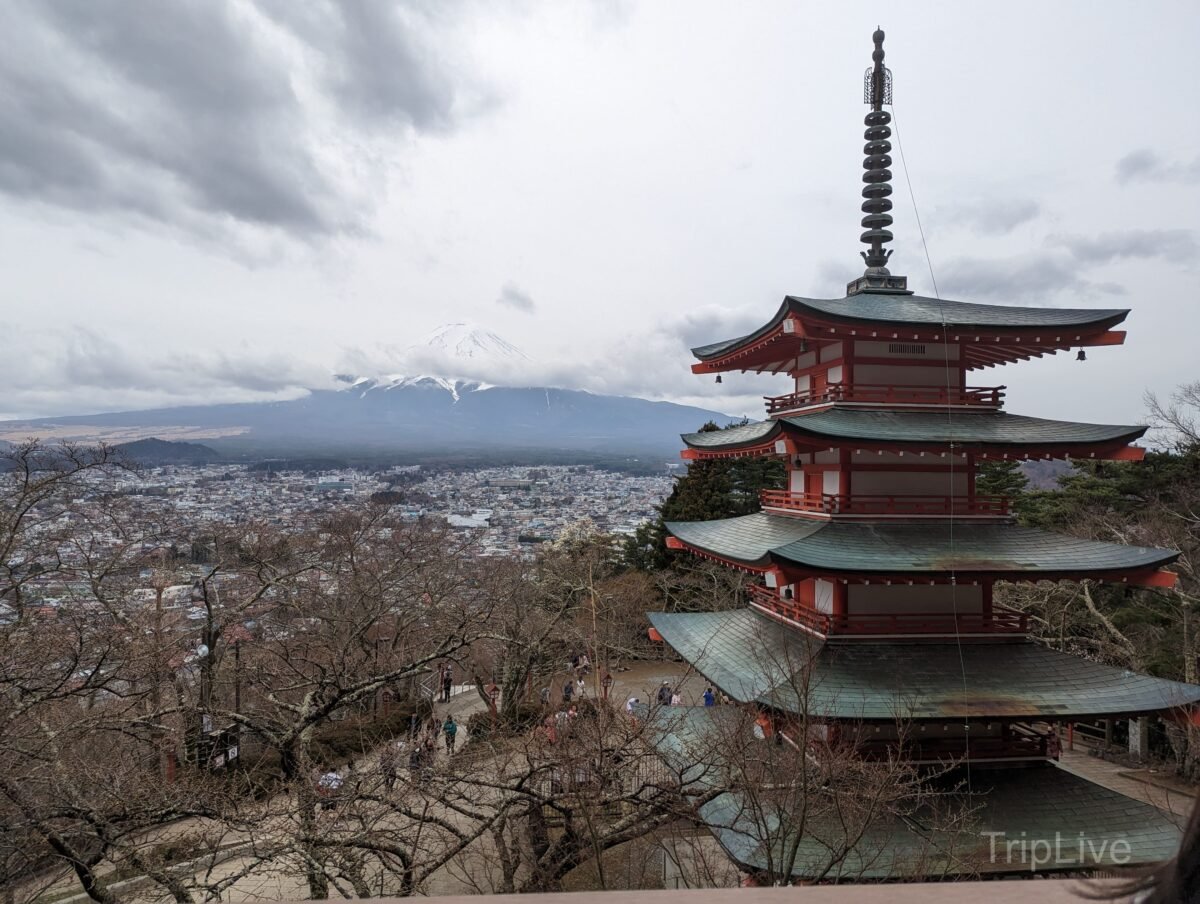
x=810, y=310
x=796, y=428
x=914, y=550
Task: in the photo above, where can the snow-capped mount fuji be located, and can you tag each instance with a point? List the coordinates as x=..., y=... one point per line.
x=463, y=389
x=455, y=357
x=464, y=341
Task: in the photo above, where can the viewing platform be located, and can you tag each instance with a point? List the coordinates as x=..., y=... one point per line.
x=1022, y=744
x=904, y=506
x=1001, y=620
x=973, y=397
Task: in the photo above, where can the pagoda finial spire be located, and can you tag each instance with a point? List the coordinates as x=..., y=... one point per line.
x=877, y=91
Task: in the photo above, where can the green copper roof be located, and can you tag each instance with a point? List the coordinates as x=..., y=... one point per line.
x=919, y=310
x=753, y=658
x=746, y=435
x=1042, y=803
x=749, y=538
x=965, y=429
x=913, y=547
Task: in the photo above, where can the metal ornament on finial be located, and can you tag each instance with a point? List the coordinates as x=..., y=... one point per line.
x=877, y=190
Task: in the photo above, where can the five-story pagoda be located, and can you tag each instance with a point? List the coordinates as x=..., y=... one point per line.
x=878, y=559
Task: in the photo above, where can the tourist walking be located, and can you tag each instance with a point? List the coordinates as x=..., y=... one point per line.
x=710, y=699
x=568, y=690
x=328, y=786
x=545, y=696
x=664, y=694
x=389, y=764
x=450, y=730
x=447, y=681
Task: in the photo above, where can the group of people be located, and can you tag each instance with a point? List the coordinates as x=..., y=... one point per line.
x=668, y=696
x=558, y=723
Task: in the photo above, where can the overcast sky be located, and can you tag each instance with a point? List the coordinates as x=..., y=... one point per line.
x=209, y=200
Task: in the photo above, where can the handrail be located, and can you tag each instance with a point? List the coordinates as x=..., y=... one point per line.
x=975, y=396
x=1017, y=746
x=897, y=504
x=1001, y=620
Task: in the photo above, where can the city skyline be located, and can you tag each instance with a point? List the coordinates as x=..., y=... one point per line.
x=234, y=201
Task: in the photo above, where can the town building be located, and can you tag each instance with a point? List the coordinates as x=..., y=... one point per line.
x=872, y=614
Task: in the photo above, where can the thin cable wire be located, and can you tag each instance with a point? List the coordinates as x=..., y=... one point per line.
x=962, y=665
x=916, y=213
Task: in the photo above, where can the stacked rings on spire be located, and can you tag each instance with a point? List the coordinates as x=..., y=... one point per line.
x=876, y=191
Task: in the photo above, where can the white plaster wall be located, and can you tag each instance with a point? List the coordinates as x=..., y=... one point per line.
x=831, y=352
x=823, y=596
x=904, y=375
x=831, y=482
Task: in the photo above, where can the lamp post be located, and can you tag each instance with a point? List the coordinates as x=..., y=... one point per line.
x=493, y=694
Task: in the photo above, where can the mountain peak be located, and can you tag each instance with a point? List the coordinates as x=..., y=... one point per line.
x=467, y=341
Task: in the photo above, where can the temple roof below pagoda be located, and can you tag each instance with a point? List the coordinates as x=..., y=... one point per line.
x=755, y=659
x=965, y=429
x=1041, y=804
x=905, y=548
x=922, y=311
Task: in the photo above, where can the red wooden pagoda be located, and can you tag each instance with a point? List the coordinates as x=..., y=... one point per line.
x=879, y=557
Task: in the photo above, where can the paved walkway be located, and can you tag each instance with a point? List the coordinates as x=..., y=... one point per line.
x=1111, y=776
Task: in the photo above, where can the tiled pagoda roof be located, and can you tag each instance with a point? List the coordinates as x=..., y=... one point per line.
x=922, y=311
x=755, y=659
x=964, y=428
x=906, y=548
x=1041, y=803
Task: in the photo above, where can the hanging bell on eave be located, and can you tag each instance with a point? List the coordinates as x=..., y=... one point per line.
x=719, y=380
x=1081, y=355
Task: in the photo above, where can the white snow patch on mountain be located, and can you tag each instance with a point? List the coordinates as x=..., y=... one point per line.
x=465, y=341
x=456, y=357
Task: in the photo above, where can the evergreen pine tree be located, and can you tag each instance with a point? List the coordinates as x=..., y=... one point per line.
x=711, y=489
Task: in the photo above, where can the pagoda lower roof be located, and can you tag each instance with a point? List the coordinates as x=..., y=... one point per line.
x=966, y=430
x=908, y=548
x=755, y=659
x=1042, y=804
x=919, y=311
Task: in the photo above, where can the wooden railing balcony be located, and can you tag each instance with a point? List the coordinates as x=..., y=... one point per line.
x=973, y=396
x=1019, y=745
x=978, y=505
x=1001, y=620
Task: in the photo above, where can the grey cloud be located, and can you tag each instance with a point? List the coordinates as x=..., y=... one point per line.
x=1145, y=165
x=1175, y=244
x=1031, y=278
x=49, y=372
x=712, y=324
x=511, y=296
x=992, y=216
x=1063, y=269
x=194, y=114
